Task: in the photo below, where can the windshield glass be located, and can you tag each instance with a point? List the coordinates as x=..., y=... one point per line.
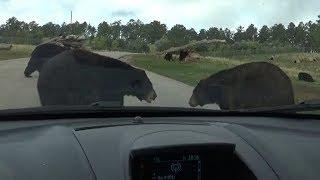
x=228, y=55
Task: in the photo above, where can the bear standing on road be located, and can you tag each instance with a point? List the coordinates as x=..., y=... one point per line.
x=80, y=77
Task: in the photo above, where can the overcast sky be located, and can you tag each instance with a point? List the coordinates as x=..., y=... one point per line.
x=191, y=13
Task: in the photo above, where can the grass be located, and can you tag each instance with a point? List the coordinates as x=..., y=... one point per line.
x=17, y=51
x=191, y=72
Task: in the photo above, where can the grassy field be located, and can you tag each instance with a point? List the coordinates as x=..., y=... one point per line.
x=191, y=72
x=17, y=51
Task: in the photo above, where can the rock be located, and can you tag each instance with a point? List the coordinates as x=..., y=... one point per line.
x=193, y=57
x=307, y=58
x=305, y=77
x=175, y=57
x=70, y=41
x=4, y=46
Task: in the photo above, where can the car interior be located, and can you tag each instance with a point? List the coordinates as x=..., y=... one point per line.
x=139, y=146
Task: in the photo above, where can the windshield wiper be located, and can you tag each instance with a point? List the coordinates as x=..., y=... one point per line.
x=107, y=104
x=311, y=105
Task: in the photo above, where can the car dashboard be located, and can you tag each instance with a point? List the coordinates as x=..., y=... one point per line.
x=162, y=148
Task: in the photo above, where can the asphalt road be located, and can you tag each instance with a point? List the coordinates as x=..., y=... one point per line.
x=16, y=91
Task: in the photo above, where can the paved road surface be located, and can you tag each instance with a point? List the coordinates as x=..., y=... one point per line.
x=16, y=91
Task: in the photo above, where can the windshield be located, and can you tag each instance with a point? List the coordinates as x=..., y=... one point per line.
x=227, y=55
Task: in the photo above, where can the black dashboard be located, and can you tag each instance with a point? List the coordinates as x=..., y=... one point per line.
x=194, y=162
x=162, y=148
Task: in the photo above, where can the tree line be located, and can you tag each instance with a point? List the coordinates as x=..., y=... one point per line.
x=137, y=36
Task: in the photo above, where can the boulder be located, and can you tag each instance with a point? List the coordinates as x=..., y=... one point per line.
x=6, y=47
x=296, y=61
x=193, y=57
x=175, y=57
x=303, y=76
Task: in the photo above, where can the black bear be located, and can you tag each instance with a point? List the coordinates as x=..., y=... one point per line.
x=251, y=85
x=79, y=77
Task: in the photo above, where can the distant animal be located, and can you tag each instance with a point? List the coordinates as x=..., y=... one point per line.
x=251, y=85
x=305, y=77
x=41, y=55
x=168, y=57
x=80, y=77
x=183, y=55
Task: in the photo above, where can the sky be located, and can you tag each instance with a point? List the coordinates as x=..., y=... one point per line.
x=196, y=14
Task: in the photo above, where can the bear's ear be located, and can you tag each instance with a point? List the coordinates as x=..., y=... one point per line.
x=137, y=84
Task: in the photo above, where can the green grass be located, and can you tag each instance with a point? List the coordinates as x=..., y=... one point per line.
x=17, y=51
x=191, y=72
x=286, y=62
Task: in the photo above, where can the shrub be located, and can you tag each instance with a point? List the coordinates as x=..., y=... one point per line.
x=201, y=47
x=118, y=45
x=138, y=45
x=99, y=44
x=162, y=44
x=249, y=48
